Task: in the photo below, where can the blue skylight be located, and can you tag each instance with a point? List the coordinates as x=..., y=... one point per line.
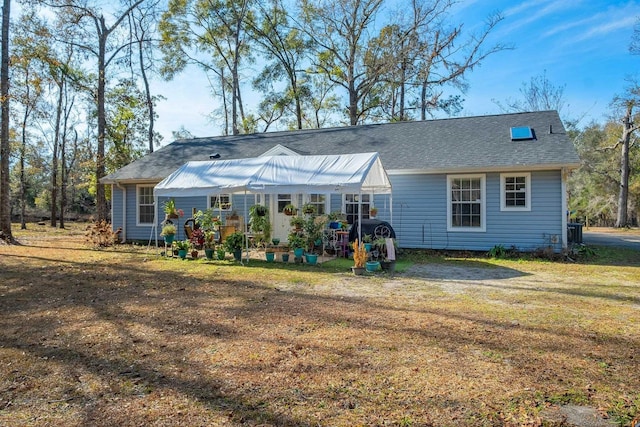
x=521, y=133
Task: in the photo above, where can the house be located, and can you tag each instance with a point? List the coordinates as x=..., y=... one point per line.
x=466, y=183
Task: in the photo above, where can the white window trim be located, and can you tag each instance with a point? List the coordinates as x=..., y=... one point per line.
x=327, y=199
x=483, y=204
x=138, y=223
x=214, y=197
x=344, y=202
x=503, y=201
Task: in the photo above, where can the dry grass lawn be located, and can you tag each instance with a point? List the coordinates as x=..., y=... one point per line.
x=122, y=337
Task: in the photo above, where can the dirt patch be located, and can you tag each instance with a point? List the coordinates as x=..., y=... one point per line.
x=577, y=416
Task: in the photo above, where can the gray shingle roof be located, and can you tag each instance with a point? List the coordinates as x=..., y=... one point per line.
x=456, y=144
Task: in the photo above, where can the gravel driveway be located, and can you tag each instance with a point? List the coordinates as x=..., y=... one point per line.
x=618, y=239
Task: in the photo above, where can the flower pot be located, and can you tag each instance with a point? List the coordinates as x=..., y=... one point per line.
x=168, y=239
x=194, y=254
x=237, y=254
x=367, y=247
x=373, y=266
x=182, y=253
x=334, y=225
x=389, y=266
x=275, y=242
x=285, y=257
x=298, y=252
x=312, y=258
x=271, y=256
x=220, y=254
x=357, y=271
x=209, y=254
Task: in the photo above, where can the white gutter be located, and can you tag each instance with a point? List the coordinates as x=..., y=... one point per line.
x=124, y=210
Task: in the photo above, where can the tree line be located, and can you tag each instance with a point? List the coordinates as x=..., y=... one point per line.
x=80, y=106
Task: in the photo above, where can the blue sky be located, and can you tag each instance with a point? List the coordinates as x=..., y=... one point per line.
x=582, y=45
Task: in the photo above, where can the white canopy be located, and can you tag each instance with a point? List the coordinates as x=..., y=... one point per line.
x=344, y=173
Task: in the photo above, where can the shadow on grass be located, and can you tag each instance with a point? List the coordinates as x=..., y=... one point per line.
x=178, y=306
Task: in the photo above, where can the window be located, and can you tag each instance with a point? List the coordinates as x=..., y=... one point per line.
x=515, y=192
x=284, y=200
x=319, y=202
x=221, y=202
x=466, y=206
x=144, y=195
x=351, y=207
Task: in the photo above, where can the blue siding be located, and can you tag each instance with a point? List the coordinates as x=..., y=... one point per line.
x=420, y=215
x=117, y=199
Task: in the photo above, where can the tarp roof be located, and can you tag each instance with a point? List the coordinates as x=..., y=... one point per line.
x=344, y=173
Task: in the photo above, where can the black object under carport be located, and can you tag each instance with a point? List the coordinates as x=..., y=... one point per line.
x=374, y=227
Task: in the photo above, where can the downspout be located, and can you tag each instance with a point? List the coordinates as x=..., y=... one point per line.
x=124, y=210
x=564, y=173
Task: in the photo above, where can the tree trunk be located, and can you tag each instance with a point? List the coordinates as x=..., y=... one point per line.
x=5, y=149
x=54, y=157
x=23, y=153
x=147, y=92
x=623, y=195
x=101, y=201
x=353, y=105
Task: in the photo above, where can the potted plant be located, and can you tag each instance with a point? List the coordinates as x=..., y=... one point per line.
x=258, y=210
x=359, y=258
x=313, y=230
x=260, y=224
x=308, y=209
x=297, y=243
x=373, y=266
x=333, y=219
x=220, y=253
x=289, y=209
x=234, y=243
x=297, y=222
x=367, y=240
x=169, y=233
x=207, y=219
x=182, y=246
x=170, y=209
x=197, y=238
x=270, y=255
x=209, y=243
x=373, y=211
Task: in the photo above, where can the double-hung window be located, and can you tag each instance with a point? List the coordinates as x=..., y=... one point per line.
x=319, y=202
x=466, y=209
x=515, y=192
x=145, y=206
x=352, y=203
x=220, y=202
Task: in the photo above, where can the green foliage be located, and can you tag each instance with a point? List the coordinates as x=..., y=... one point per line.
x=235, y=241
x=296, y=221
x=296, y=242
x=594, y=187
x=182, y=244
x=260, y=223
x=168, y=230
x=498, y=251
x=207, y=219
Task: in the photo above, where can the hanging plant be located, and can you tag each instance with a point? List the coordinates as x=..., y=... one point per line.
x=289, y=210
x=308, y=209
